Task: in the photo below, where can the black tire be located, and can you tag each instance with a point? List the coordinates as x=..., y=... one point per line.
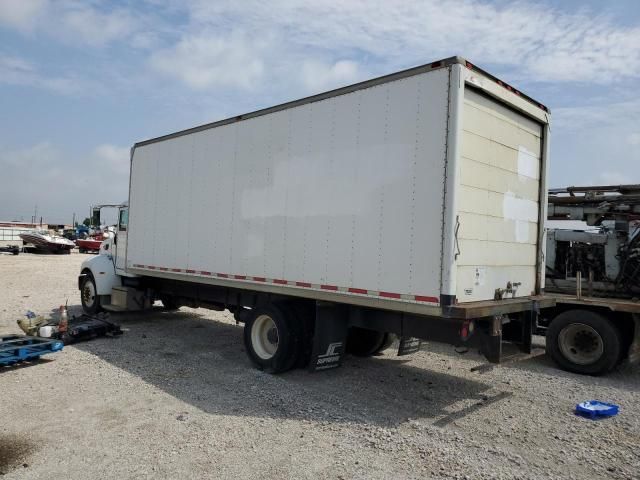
x=169, y=302
x=585, y=342
x=272, y=338
x=363, y=342
x=389, y=338
x=89, y=296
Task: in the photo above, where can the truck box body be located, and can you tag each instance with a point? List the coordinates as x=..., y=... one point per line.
x=407, y=192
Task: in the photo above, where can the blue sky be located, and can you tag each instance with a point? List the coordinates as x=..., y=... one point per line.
x=81, y=81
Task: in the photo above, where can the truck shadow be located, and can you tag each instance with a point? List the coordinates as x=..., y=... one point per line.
x=624, y=377
x=202, y=362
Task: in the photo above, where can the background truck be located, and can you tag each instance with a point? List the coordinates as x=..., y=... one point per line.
x=594, y=276
x=410, y=205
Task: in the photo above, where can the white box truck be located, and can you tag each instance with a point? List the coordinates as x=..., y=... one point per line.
x=409, y=205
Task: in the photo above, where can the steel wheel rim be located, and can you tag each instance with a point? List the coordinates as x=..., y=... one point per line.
x=89, y=293
x=264, y=337
x=581, y=344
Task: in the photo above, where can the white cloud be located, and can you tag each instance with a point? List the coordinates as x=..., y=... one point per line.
x=209, y=60
x=22, y=14
x=545, y=43
x=599, y=113
x=74, y=22
x=58, y=182
x=95, y=27
x=593, y=143
x=18, y=71
x=113, y=157
x=318, y=76
x=633, y=139
x=613, y=178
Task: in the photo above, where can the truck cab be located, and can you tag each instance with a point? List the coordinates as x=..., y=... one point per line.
x=101, y=276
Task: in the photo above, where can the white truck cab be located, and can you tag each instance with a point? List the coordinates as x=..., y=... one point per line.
x=101, y=276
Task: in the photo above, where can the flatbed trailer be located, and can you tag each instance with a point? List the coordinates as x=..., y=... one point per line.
x=594, y=276
x=591, y=335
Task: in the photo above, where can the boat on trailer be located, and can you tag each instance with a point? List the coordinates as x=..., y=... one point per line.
x=47, y=242
x=86, y=245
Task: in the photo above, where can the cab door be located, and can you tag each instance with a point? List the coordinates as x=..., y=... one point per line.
x=121, y=239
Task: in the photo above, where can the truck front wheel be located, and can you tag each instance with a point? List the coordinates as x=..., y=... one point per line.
x=271, y=339
x=89, y=294
x=583, y=341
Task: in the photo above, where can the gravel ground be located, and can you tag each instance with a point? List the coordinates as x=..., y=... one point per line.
x=175, y=397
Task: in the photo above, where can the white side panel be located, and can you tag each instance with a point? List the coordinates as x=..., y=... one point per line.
x=498, y=199
x=343, y=193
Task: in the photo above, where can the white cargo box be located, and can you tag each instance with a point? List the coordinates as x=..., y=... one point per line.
x=418, y=189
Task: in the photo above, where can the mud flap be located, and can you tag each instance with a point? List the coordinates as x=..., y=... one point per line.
x=491, y=342
x=329, y=337
x=409, y=345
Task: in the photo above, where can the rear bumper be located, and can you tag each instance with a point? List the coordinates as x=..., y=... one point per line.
x=490, y=308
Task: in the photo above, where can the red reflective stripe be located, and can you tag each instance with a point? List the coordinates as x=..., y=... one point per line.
x=389, y=295
x=361, y=291
x=423, y=298
x=279, y=281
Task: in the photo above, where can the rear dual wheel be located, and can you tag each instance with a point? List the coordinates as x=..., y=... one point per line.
x=363, y=342
x=583, y=341
x=272, y=338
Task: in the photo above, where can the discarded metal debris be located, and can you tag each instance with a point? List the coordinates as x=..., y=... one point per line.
x=69, y=330
x=87, y=327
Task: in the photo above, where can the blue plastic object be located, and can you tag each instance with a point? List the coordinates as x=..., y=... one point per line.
x=18, y=348
x=594, y=409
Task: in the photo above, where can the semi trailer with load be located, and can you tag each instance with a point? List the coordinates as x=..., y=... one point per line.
x=411, y=206
x=593, y=273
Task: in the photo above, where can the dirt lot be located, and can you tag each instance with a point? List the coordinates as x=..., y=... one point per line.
x=175, y=397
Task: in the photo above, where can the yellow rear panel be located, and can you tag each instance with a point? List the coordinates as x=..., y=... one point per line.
x=498, y=199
